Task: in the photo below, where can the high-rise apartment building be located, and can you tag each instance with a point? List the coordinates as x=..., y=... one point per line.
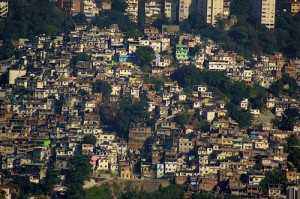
x=103, y=5
x=185, y=8
x=75, y=7
x=71, y=7
x=153, y=9
x=291, y=6
x=3, y=9
x=211, y=10
x=64, y=5
x=265, y=11
x=293, y=192
x=88, y=8
x=132, y=9
x=170, y=10
x=226, y=8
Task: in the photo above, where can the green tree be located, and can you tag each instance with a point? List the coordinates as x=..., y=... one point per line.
x=289, y=119
x=258, y=166
x=141, y=14
x=231, y=197
x=161, y=20
x=221, y=86
x=240, y=8
x=82, y=92
x=188, y=77
x=4, y=78
x=107, y=18
x=144, y=55
x=257, y=103
x=194, y=51
x=279, y=86
x=80, y=57
x=102, y=192
x=30, y=18
x=2, y=194
x=272, y=177
x=119, y=5
x=25, y=186
x=131, y=113
x=242, y=117
x=248, y=36
x=7, y=50
x=196, y=124
x=234, y=158
x=293, y=150
x=244, y=178
x=158, y=83
x=79, y=170
x=196, y=21
x=119, y=117
x=102, y=87
x=133, y=33
x=109, y=113
x=213, y=155
x=276, y=122
x=292, y=141
x=52, y=179
x=276, y=87
x=183, y=119
x=80, y=19
x=294, y=157
x=258, y=96
x=204, y=126
x=203, y=195
x=89, y=139
x=173, y=191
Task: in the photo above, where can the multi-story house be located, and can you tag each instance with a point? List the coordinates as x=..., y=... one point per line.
x=153, y=9
x=182, y=52
x=265, y=10
x=212, y=10
x=185, y=8
x=3, y=9
x=132, y=9
x=88, y=8
x=138, y=136
x=173, y=13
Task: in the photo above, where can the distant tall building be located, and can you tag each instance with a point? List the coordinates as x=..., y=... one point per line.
x=186, y=7
x=153, y=9
x=265, y=11
x=293, y=192
x=104, y=4
x=211, y=10
x=291, y=6
x=132, y=9
x=75, y=7
x=71, y=7
x=226, y=8
x=60, y=4
x=170, y=10
x=3, y=9
x=88, y=8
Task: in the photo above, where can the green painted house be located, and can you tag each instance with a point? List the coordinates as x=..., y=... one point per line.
x=182, y=52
